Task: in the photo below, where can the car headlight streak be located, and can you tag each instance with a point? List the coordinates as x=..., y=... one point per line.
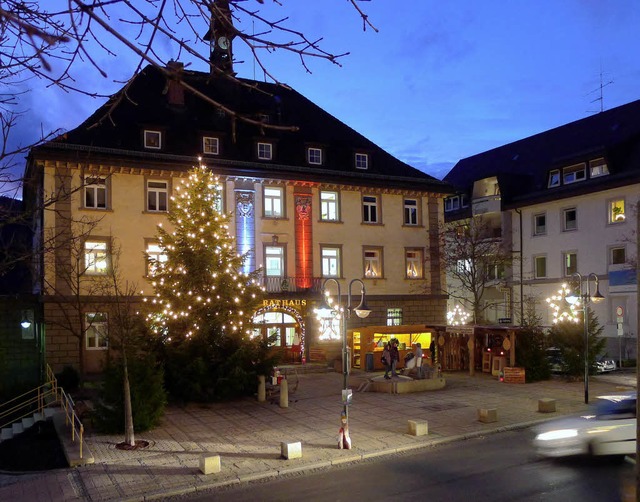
x=560, y=434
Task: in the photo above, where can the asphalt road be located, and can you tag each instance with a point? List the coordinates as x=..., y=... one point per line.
x=500, y=467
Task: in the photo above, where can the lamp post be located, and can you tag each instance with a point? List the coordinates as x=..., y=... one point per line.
x=586, y=298
x=328, y=311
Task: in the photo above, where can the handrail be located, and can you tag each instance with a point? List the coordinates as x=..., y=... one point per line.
x=70, y=415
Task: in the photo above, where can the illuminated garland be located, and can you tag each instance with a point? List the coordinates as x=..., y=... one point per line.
x=562, y=309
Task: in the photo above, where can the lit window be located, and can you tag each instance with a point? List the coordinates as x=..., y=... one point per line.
x=394, y=317
x=463, y=266
x=570, y=263
x=157, y=195
x=618, y=256
x=273, y=202
x=156, y=257
x=616, y=211
x=274, y=261
x=210, y=146
x=314, y=156
x=540, y=224
x=370, y=209
x=96, y=331
x=329, y=206
x=598, y=167
x=95, y=192
x=95, y=257
x=372, y=263
x=362, y=161
x=410, y=211
x=153, y=140
x=540, y=267
x=570, y=219
x=554, y=178
x=574, y=173
x=330, y=262
x=413, y=263
x=265, y=151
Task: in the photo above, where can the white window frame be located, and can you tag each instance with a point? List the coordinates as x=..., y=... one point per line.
x=96, y=331
x=536, y=267
x=154, y=254
x=330, y=261
x=274, y=255
x=411, y=212
x=394, y=316
x=370, y=209
x=273, y=202
x=554, y=178
x=96, y=257
x=152, y=139
x=210, y=145
x=159, y=194
x=314, y=156
x=614, y=216
x=574, y=173
x=362, y=160
x=537, y=228
x=96, y=188
x=566, y=223
x=265, y=151
x=372, y=263
x=329, y=205
x=613, y=250
x=598, y=167
x=566, y=258
x=414, y=259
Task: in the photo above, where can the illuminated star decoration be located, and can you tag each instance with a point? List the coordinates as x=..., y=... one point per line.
x=563, y=310
x=457, y=316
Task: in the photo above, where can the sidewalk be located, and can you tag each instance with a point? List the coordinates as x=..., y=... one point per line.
x=247, y=434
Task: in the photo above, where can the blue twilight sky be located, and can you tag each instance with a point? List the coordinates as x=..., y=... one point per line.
x=440, y=81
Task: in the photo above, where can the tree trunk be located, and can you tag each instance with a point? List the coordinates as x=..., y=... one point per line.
x=129, y=434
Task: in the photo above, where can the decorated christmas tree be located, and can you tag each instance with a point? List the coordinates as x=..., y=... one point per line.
x=201, y=292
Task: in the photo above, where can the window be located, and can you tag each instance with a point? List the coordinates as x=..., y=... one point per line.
x=362, y=161
x=570, y=219
x=372, y=263
x=314, y=156
x=274, y=261
x=616, y=211
x=494, y=272
x=394, y=317
x=210, y=146
x=95, y=257
x=330, y=261
x=96, y=331
x=155, y=255
x=157, y=195
x=539, y=267
x=370, y=209
x=452, y=203
x=273, y=202
x=329, y=206
x=554, y=178
x=413, y=263
x=570, y=263
x=574, y=173
x=618, y=255
x=95, y=192
x=598, y=167
x=153, y=140
x=265, y=151
x=410, y=211
x=464, y=202
x=540, y=224
x=463, y=266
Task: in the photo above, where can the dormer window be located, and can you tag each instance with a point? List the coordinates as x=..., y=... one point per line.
x=153, y=140
x=574, y=173
x=265, y=151
x=362, y=161
x=452, y=203
x=554, y=178
x=210, y=145
x=314, y=156
x=598, y=167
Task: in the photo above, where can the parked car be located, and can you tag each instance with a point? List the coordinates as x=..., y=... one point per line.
x=609, y=429
x=605, y=365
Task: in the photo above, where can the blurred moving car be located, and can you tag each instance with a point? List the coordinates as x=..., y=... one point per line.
x=605, y=365
x=556, y=363
x=610, y=429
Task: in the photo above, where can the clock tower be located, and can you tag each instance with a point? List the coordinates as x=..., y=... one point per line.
x=220, y=36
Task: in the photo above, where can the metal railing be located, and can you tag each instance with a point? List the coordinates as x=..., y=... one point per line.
x=43, y=396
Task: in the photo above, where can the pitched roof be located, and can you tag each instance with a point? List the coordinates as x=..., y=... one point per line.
x=522, y=167
x=145, y=104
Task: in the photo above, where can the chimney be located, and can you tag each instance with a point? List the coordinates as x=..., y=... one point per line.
x=173, y=90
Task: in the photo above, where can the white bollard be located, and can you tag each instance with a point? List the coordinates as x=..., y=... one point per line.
x=284, y=393
x=262, y=389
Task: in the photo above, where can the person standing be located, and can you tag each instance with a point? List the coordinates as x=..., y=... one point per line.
x=395, y=357
x=386, y=360
x=418, y=353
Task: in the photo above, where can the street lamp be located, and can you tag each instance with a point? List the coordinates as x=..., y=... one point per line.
x=586, y=297
x=328, y=311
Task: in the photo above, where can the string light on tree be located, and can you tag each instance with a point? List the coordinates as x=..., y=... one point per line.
x=457, y=316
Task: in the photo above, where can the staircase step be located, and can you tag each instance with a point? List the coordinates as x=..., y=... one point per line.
x=17, y=428
x=27, y=422
x=38, y=417
x=6, y=433
x=49, y=412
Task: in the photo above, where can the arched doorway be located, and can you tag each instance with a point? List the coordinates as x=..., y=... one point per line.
x=284, y=326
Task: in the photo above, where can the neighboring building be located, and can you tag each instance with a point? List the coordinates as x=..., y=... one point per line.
x=564, y=201
x=310, y=198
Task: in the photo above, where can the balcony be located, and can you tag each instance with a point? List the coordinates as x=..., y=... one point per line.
x=485, y=205
x=292, y=284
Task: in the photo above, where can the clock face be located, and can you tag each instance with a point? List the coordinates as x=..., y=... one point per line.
x=223, y=43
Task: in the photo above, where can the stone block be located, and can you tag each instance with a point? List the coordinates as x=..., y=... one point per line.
x=210, y=464
x=418, y=428
x=547, y=405
x=487, y=415
x=291, y=450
